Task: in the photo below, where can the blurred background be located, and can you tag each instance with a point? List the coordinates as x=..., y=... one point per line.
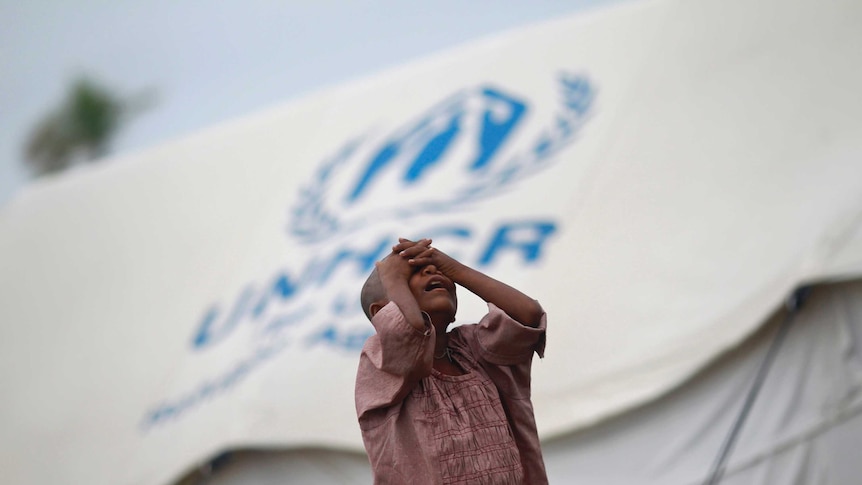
x=84, y=79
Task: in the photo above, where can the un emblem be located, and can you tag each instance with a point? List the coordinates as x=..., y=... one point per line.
x=447, y=157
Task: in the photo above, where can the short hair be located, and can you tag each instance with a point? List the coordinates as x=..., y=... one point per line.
x=372, y=292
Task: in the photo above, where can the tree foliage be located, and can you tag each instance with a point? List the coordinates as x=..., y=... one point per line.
x=81, y=128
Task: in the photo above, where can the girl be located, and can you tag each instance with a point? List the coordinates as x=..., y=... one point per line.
x=438, y=407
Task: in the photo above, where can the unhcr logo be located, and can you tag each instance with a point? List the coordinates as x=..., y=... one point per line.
x=463, y=151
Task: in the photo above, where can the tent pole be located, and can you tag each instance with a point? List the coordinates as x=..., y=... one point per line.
x=793, y=304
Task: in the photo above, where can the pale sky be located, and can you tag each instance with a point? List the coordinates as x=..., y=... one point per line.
x=214, y=60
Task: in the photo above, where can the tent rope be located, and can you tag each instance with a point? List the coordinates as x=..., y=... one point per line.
x=792, y=305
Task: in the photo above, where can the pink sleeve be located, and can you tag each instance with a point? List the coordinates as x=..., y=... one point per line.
x=393, y=360
x=504, y=341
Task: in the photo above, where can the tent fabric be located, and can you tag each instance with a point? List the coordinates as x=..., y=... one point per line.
x=659, y=176
x=805, y=426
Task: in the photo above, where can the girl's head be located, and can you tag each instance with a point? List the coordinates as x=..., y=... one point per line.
x=372, y=294
x=434, y=293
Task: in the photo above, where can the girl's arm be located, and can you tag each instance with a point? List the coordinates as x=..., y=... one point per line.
x=394, y=273
x=512, y=301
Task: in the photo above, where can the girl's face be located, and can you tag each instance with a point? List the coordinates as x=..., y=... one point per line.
x=434, y=292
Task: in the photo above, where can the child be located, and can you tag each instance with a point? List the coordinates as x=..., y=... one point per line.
x=437, y=407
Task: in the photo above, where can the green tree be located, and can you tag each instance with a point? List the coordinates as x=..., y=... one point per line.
x=82, y=128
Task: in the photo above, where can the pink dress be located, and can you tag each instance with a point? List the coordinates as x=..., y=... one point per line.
x=423, y=427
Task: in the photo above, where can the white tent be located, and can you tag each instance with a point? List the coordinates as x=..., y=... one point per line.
x=660, y=176
x=805, y=427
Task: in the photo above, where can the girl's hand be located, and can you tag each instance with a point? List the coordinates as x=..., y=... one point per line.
x=396, y=264
x=429, y=255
